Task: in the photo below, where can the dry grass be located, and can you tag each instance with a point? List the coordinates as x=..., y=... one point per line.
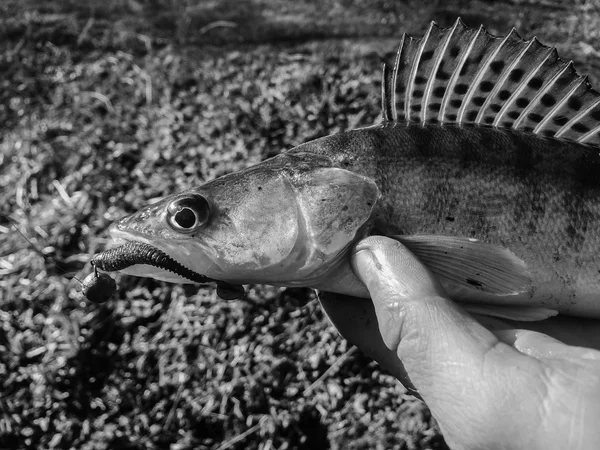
x=106, y=105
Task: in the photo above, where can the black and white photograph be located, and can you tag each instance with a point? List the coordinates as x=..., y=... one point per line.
x=299, y=225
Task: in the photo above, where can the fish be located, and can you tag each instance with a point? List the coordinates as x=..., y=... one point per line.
x=485, y=165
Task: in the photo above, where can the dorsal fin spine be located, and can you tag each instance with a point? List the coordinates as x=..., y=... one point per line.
x=540, y=94
x=395, y=77
x=560, y=104
x=502, y=80
x=478, y=77
x=413, y=72
x=583, y=139
x=456, y=74
x=386, y=95
x=436, y=65
x=576, y=118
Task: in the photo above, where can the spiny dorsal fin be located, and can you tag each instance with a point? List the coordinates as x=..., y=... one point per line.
x=465, y=76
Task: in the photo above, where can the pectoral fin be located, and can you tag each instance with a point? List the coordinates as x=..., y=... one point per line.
x=471, y=263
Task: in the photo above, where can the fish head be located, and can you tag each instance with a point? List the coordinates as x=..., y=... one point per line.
x=287, y=222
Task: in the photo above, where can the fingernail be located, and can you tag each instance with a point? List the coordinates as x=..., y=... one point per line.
x=365, y=265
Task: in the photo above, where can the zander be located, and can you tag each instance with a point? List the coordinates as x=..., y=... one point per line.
x=486, y=166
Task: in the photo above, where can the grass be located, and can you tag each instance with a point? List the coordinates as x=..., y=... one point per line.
x=106, y=105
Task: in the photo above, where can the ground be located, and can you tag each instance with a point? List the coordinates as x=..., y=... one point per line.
x=108, y=104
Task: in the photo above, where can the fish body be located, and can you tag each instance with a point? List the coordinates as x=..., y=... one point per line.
x=486, y=165
x=540, y=198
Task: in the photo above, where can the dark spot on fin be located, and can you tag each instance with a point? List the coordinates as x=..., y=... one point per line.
x=473, y=282
x=488, y=80
x=497, y=66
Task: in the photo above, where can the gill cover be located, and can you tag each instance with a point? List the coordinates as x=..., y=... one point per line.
x=286, y=220
x=334, y=204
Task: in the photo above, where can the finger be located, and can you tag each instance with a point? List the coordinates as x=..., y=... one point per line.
x=408, y=299
x=541, y=346
x=573, y=331
x=442, y=347
x=355, y=319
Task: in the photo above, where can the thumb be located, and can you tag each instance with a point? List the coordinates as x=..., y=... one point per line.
x=440, y=345
x=397, y=282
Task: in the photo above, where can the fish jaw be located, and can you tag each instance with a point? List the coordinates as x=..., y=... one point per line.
x=288, y=221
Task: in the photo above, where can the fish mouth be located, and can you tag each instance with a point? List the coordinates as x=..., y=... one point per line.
x=133, y=252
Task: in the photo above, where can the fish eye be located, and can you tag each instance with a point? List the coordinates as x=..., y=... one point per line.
x=187, y=214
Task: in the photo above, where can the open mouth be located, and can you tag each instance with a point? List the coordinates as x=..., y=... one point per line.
x=132, y=253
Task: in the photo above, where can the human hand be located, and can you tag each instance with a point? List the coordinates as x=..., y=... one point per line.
x=504, y=387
